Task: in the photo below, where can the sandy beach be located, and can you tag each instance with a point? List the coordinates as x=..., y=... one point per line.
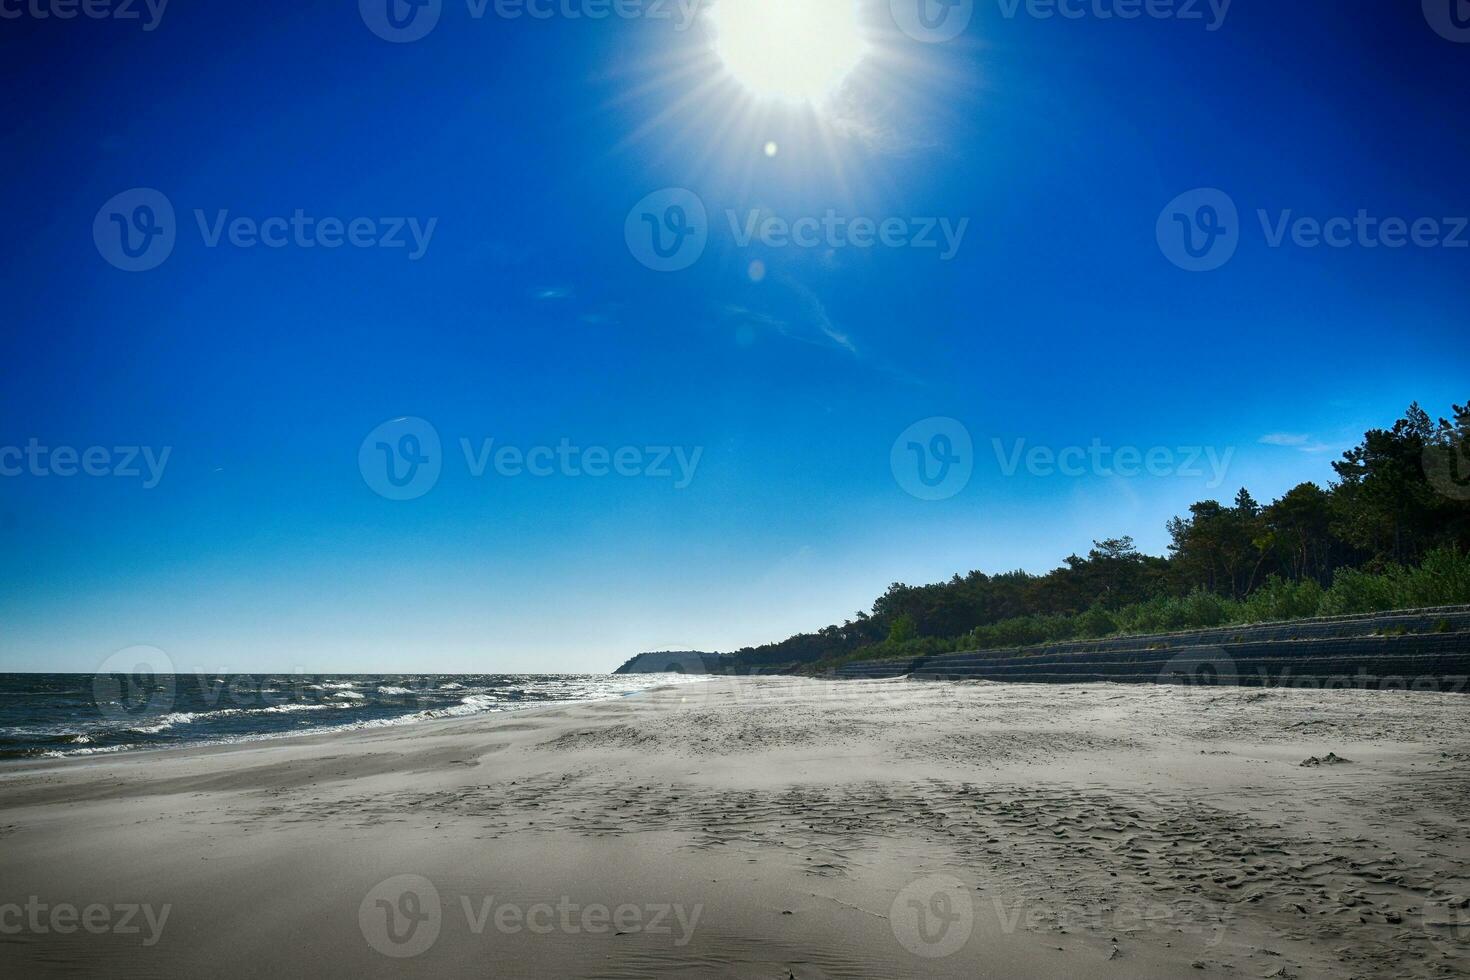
x=771, y=828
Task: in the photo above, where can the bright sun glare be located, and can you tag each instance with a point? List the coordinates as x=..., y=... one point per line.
x=795, y=50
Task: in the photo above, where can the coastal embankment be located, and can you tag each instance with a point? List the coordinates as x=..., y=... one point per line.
x=1420, y=649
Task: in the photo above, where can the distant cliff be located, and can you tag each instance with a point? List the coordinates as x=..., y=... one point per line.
x=673, y=662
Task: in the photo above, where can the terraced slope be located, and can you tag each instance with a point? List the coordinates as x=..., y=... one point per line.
x=1422, y=649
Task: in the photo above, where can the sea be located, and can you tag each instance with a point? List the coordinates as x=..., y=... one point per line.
x=58, y=715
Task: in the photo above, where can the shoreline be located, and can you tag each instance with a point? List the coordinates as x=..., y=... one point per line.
x=408, y=707
x=267, y=738
x=760, y=827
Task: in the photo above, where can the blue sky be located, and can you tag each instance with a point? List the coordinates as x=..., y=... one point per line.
x=528, y=319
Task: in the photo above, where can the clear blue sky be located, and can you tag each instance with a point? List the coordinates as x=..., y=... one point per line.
x=529, y=320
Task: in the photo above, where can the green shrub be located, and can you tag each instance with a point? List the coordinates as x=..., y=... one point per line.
x=1096, y=622
x=1442, y=579
x=1280, y=599
x=1205, y=609
x=1355, y=591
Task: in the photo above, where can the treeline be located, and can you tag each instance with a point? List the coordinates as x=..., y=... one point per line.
x=1392, y=531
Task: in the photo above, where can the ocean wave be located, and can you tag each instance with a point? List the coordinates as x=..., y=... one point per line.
x=477, y=694
x=168, y=721
x=92, y=751
x=472, y=705
x=165, y=723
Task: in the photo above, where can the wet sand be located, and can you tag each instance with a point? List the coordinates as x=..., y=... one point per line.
x=771, y=828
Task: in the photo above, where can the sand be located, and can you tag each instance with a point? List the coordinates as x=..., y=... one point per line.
x=771, y=828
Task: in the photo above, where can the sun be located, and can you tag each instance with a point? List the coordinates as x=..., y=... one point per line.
x=793, y=50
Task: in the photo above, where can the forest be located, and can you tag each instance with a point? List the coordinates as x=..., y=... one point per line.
x=1392, y=530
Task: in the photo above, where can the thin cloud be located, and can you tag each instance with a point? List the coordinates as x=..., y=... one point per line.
x=804, y=319
x=1300, y=441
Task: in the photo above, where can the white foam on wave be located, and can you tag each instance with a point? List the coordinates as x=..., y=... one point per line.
x=92, y=751
x=168, y=721
x=472, y=705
